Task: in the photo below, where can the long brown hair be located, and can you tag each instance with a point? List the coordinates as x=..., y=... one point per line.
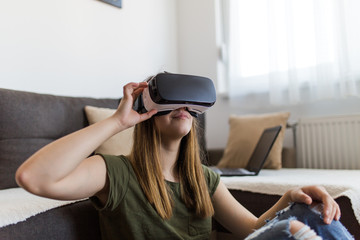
x=145, y=158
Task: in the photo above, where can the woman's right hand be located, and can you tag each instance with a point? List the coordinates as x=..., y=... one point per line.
x=125, y=115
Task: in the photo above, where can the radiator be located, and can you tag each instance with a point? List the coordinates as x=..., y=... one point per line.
x=328, y=142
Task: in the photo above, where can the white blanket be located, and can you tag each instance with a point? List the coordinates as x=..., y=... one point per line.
x=17, y=205
x=277, y=182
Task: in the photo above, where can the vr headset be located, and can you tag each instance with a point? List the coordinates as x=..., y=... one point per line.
x=168, y=91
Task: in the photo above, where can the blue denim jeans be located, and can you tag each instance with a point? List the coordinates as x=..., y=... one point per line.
x=279, y=227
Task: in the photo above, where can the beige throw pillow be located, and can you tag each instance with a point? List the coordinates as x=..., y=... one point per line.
x=244, y=134
x=119, y=144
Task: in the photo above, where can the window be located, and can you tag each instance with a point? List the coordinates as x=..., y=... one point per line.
x=294, y=50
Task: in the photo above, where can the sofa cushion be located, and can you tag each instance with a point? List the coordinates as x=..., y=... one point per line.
x=244, y=134
x=29, y=121
x=119, y=144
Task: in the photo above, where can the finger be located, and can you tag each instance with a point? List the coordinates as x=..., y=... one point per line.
x=331, y=214
x=306, y=199
x=338, y=212
x=302, y=197
x=329, y=209
x=318, y=193
x=147, y=115
x=128, y=89
x=139, y=89
x=137, y=92
x=143, y=84
x=133, y=90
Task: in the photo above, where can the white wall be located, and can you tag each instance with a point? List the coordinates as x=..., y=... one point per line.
x=85, y=47
x=197, y=53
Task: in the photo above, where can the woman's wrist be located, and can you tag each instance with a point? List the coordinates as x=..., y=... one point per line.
x=116, y=125
x=286, y=198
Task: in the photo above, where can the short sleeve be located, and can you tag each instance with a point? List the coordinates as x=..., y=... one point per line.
x=118, y=175
x=212, y=179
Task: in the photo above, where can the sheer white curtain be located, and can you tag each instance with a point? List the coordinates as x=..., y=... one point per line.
x=294, y=50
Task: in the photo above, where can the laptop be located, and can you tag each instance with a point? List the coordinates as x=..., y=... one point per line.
x=257, y=158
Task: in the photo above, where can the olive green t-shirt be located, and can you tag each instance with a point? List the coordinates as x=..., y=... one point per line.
x=128, y=214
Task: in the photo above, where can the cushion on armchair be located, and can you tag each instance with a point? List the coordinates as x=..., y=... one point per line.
x=244, y=134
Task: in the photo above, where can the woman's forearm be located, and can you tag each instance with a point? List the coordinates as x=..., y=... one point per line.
x=271, y=213
x=59, y=158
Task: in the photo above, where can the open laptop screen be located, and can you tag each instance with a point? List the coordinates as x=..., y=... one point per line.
x=262, y=149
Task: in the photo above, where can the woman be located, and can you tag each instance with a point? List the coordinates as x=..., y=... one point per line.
x=160, y=191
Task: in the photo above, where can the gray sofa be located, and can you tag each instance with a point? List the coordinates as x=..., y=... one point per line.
x=29, y=121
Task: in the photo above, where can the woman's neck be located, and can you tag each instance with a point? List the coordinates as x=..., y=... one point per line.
x=169, y=153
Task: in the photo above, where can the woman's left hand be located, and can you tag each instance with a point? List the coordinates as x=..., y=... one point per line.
x=311, y=194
